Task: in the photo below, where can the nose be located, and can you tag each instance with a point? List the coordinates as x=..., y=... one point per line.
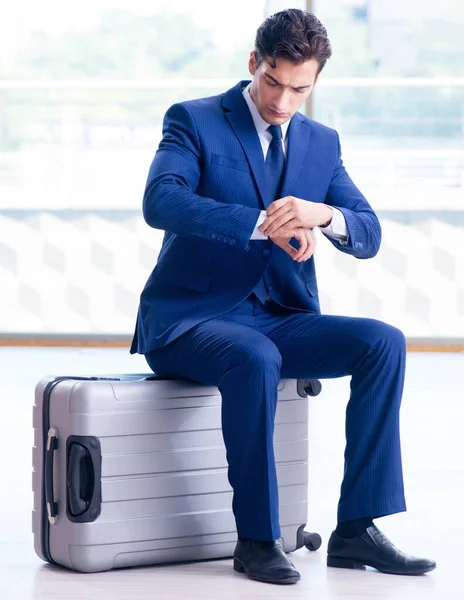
x=282, y=101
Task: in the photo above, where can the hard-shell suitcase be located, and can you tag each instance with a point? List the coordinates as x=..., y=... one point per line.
x=131, y=470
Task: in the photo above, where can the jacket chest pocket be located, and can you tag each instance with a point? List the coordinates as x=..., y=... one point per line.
x=239, y=164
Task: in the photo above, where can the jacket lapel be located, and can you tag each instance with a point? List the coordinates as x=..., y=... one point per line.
x=239, y=117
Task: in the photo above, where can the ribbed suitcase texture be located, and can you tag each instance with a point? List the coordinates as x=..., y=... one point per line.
x=131, y=470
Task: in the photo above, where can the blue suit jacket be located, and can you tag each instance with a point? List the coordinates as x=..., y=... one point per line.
x=206, y=188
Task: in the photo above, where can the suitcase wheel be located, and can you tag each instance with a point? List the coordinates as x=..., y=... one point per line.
x=312, y=541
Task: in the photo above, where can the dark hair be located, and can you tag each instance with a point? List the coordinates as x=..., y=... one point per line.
x=294, y=34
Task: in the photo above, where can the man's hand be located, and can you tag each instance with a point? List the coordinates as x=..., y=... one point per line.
x=287, y=214
x=305, y=238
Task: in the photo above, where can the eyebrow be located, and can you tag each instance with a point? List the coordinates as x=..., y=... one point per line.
x=302, y=87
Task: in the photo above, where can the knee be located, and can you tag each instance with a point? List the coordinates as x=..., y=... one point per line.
x=397, y=338
x=265, y=355
x=257, y=354
x=387, y=337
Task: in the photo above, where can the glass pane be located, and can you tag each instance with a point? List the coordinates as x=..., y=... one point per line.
x=83, y=91
x=394, y=90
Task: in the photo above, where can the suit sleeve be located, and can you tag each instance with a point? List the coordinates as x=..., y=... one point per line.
x=170, y=202
x=363, y=227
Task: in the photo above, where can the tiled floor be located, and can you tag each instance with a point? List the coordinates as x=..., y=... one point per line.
x=433, y=454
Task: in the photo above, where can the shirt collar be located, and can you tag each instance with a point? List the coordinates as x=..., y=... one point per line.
x=260, y=124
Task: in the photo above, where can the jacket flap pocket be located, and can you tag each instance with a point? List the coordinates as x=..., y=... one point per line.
x=311, y=285
x=182, y=277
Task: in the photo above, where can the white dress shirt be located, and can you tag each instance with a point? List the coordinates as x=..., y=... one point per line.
x=337, y=228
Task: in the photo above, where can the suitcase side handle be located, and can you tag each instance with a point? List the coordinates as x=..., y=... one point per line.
x=52, y=446
x=83, y=478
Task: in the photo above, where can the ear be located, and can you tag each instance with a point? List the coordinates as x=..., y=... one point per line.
x=252, y=63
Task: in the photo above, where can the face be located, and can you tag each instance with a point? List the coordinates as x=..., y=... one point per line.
x=278, y=93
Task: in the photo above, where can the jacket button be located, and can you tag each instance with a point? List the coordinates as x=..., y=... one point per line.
x=232, y=242
x=266, y=252
x=214, y=236
x=220, y=237
x=226, y=239
x=270, y=287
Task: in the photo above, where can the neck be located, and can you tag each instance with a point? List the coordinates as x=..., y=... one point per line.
x=252, y=93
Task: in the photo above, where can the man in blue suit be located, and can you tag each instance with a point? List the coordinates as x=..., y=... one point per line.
x=238, y=183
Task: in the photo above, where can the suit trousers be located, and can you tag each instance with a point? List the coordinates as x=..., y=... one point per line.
x=246, y=351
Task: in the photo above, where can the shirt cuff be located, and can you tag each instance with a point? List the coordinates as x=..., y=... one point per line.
x=259, y=235
x=337, y=229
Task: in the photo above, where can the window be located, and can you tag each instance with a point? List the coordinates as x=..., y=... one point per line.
x=394, y=89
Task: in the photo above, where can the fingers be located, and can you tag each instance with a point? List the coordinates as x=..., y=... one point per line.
x=276, y=205
x=278, y=219
x=305, y=239
x=300, y=236
x=285, y=226
x=284, y=243
x=311, y=238
x=307, y=242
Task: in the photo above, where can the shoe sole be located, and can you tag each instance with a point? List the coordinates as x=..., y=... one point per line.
x=349, y=563
x=287, y=581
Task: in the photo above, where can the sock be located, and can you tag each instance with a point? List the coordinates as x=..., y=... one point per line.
x=351, y=529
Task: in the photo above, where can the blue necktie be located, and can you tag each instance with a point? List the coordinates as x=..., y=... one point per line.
x=275, y=163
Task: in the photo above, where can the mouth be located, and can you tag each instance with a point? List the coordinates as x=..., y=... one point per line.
x=278, y=115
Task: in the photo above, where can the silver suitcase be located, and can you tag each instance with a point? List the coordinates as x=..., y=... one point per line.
x=131, y=470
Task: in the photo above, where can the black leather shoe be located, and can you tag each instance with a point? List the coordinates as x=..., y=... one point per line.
x=264, y=561
x=374, y=549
